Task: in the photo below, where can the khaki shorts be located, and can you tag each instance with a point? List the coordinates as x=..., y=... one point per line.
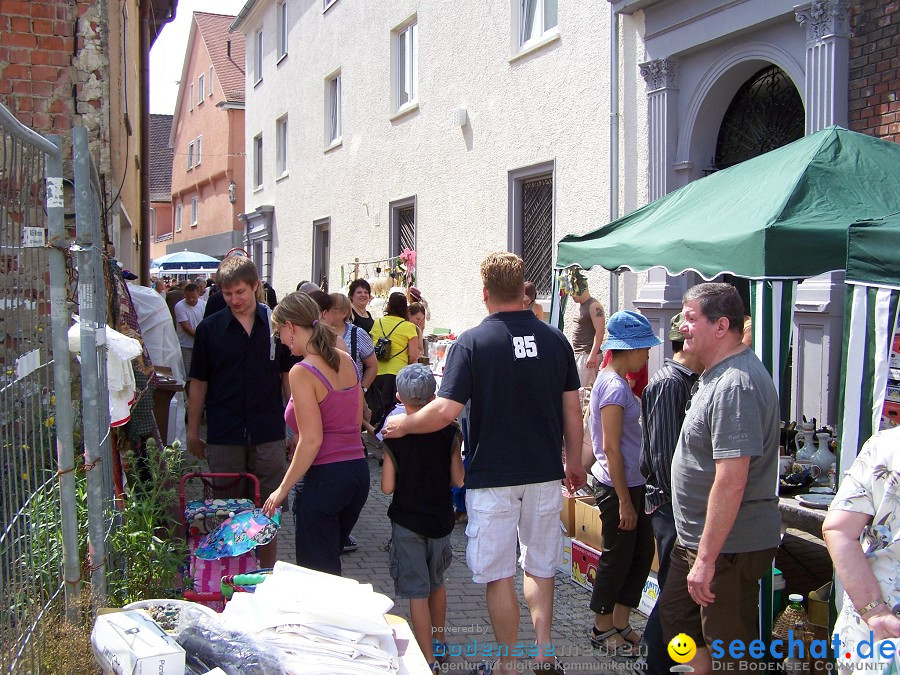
x=498, y=516
x=585, y=374
x=266, y=461
x=735, y=613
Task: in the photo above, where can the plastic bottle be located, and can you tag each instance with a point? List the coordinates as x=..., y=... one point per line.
x=796, y=662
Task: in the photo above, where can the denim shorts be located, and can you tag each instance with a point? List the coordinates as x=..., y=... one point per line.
x=417, y=562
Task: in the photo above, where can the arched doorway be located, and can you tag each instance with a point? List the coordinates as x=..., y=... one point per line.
x=765, y=113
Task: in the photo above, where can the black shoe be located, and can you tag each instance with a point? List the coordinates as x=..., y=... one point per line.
x=350, y=545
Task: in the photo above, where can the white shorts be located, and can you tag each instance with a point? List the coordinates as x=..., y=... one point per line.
x=585, y=374
x=498, y=515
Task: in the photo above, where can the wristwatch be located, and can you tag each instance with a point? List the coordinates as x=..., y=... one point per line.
x=872, y=605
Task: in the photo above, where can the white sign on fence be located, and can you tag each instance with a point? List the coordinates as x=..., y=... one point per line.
x=34, y=237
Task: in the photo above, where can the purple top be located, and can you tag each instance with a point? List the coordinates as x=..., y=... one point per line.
x=610, y=389
x=341, y=440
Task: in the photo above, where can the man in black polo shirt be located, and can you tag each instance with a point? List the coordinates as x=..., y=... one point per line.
x=520, y=375
x=239, y=373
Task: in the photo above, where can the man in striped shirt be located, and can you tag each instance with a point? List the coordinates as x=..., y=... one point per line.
x=662, y=409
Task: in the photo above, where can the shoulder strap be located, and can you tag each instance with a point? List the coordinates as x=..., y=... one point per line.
x=392, y=329
x=318, y=373
x=353, y=330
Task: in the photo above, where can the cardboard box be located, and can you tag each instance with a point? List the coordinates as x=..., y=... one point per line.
x=567, y=515
x=584, y=564
x=129, y=642
x=565, y=564
x=588, y=528
x=649, y=595
x=817, y=606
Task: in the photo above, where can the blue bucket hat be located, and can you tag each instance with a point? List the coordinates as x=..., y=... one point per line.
x=629, y=330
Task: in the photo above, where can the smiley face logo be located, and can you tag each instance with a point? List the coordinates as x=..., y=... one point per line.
x=682, y=648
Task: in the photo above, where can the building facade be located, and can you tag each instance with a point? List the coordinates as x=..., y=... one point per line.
x=452, y=129
x=207, y=141
x=66, y=63
x=161, y=223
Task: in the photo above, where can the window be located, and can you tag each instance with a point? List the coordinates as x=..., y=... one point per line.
x=195, y=206
x=190, y=155
x=257, y=56
x=282, y=29
x=333, y=96
x=403, y=225
x=281, y=145
x=407, y=65
x=536, y=17
x=191, y=97
x=210, y=80
x=199, y=149
x=321, y=252
x=258, y=162
x=201, y=89
x=152, y=224
x=178, y=218
x=531, y=222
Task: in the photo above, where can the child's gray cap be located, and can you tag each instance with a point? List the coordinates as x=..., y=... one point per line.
x=416, y=384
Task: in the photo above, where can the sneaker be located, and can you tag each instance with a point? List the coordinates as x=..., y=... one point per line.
x=350, y=545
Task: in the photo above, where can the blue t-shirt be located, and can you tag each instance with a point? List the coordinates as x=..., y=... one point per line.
x=514, y=368
x=611, y=389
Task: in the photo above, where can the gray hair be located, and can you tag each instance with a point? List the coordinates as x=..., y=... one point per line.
x=718, y=300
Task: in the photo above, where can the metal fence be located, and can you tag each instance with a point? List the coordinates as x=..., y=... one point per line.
x=43, y=522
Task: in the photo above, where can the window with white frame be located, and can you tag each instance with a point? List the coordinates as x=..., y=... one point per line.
x=190, y=155
x=195, y=207
x=333, y=97
x=281, y=145
x=282, y=29
x=536, y=19
x=178, y=218
x=531, y=231
x=402, y=234
x=201, y=89
x=191, y=97
x=199, y=150
x=407, y=68
x=257, y=56
x=258, y=162
x=210, y=80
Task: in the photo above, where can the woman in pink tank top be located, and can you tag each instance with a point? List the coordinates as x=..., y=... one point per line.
x=327, y=414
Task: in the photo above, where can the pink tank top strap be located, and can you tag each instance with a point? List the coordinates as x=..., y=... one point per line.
x=318, y=373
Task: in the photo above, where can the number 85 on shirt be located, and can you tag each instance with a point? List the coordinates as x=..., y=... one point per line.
x=524, y=347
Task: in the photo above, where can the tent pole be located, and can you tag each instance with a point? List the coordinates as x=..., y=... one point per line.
x=613, y=141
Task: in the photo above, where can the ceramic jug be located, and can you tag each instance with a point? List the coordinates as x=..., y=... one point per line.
x=804, y=443
x=823, y=457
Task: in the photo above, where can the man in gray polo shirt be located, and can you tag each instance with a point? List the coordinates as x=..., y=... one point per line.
x=724, y=482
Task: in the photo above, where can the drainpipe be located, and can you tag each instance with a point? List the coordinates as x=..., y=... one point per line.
x=144, y=235
x=613, y=141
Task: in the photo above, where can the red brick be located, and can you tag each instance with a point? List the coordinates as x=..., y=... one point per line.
x=42, y=27
x=5, y=86
x=20, y=40
x=17, y=72
x=21, y=86
x=60, y=59
x=42, y=89
x=62, y=28
x=42, y=121
x=53, y=43
x=62, y=123
x=40, y=58
x=25, y=118
x=42, y=10
x=44, y=73
x=25, y=103
x=15, y=7
x=60, y=105
x=40, y=102
x=20, y=24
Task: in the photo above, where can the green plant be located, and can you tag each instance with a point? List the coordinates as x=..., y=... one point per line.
x=147, y=542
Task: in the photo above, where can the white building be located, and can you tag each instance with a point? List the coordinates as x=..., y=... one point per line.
x=452, y=128
x=461, y=128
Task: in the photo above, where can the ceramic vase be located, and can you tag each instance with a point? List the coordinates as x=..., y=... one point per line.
x=805, y=442
x=823, y=457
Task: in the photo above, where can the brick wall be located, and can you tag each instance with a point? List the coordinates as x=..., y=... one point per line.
x=874, y=90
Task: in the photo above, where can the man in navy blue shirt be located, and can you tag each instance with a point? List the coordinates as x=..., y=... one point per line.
x=239, y=373
x=520, y=375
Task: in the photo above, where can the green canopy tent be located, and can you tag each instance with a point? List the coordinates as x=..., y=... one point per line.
x=870, y=324
x=774, y=219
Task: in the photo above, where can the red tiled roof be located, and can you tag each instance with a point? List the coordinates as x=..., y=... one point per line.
x=229, y=70
x=160, y=158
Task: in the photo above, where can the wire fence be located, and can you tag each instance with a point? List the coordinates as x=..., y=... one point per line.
x=51, y=514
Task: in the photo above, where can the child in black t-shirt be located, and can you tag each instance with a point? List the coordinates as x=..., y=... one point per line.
x=419, y=470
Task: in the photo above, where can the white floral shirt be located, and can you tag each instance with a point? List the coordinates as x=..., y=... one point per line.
x=872, y=486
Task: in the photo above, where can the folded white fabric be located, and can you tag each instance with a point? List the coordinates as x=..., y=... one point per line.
x=322, y=623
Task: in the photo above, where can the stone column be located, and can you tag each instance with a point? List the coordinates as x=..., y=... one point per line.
x=660, y=297
x=827, y=62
